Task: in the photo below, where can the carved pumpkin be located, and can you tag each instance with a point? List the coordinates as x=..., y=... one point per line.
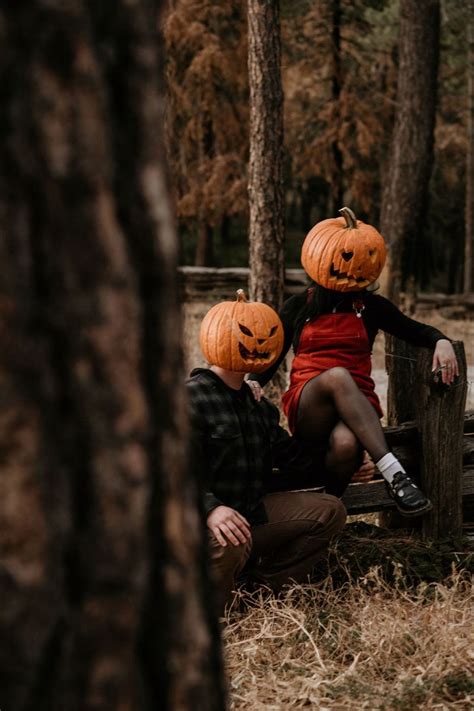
x=243, y=336
x=343, y=253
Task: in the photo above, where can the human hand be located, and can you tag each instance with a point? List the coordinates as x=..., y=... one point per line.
x=444, y=362
x=226, y=523
x=256, y=389
x=365, y=473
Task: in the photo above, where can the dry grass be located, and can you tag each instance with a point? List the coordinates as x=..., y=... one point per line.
x=369, y=644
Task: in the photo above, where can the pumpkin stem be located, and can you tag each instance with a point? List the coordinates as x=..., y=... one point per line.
x=241, y=295
x=350, y=218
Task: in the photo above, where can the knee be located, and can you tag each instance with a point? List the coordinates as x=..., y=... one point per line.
x=325, y=513
x=345, y=446
x=336, y=515
x=230, y=557
x=240, y=554
x=337, y=378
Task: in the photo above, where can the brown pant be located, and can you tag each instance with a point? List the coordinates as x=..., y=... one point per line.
x=300, y=526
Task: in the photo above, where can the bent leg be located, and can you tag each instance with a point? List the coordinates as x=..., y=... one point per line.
x=300, y=526
x=226, y=563
x=344, y=457
x=335, y=392
x=333, y=396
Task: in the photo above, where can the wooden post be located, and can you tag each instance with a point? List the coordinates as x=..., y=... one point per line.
x=400, y=363
x=440, y=416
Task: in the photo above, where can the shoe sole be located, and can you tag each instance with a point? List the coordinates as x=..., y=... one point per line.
x=416, y=512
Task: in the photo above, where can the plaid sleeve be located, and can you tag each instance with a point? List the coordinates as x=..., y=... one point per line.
x=198, y=399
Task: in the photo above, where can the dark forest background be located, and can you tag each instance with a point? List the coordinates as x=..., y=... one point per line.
x=339, y=72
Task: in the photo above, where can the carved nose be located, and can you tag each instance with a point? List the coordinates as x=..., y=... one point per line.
x=261, y=340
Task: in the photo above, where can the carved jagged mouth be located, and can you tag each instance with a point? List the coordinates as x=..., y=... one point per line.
x=344, y=275
x=252, y=355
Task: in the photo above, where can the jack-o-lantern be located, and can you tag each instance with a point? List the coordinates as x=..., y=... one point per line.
x=343, y=253
x=243, y=336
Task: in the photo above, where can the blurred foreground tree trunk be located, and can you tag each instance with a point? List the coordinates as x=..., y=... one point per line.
x=469, y=238
x=265, y=183
x=405, y=195
x=103, y=583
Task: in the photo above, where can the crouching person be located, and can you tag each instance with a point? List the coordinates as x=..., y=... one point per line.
x=275, y=536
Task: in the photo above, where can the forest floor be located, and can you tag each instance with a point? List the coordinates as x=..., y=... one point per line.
x=389, y=627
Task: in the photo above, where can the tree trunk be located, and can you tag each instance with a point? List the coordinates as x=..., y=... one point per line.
x=204, y=246
x=265, y=185
x=469, y=239
x=405, y=195
x=104, y=595
x=337, y=189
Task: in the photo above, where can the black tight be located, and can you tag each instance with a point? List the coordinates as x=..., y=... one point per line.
x=332, y=411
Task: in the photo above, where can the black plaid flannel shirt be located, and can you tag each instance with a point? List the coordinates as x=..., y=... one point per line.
x=234, y=450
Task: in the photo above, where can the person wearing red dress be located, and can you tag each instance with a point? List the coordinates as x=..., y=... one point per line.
x=331, y=403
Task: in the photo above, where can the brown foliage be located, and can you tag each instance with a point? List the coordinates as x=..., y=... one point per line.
x=207, y=112
x=338, y=97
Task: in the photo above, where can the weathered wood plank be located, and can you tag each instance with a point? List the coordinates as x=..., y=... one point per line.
x=400, y=362
x=208, y=283
x=469, y=421
x=440, y=413
x=372, y=497
x=367, y=498
x=406, y=434
x=202, y=279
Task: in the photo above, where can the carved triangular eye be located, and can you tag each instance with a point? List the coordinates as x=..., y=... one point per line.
x=347, y=256
x=273, y=330
x=245, y=330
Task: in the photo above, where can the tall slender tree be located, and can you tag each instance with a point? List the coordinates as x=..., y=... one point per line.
x=104, y=593
x=405, y=196
x=265, y=180
x=337, y=184
x=469, y=238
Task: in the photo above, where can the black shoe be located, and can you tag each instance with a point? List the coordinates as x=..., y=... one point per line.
x=409, y=499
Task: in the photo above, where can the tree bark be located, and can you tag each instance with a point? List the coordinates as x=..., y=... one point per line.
x=204, y=246
x=105, y=600
x=469, y=238
x=265, y=185
x=406, y=189
x=337, y=186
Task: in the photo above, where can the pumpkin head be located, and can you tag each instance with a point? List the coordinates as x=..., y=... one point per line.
x=343, y=253
x=243, y=336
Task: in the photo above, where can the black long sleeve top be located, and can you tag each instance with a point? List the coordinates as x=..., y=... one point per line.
x=379, y=314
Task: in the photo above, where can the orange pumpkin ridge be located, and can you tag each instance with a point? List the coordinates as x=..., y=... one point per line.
x=337, y=253
x=237, y=335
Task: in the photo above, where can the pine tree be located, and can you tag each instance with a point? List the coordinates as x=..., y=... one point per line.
x=207, y=114
x=266, y=153
x=339, y=87
x=404, y=203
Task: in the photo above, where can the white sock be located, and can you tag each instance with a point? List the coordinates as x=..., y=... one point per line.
x=388, y=466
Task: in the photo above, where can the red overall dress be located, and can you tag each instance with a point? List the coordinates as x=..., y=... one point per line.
x=335, y=339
